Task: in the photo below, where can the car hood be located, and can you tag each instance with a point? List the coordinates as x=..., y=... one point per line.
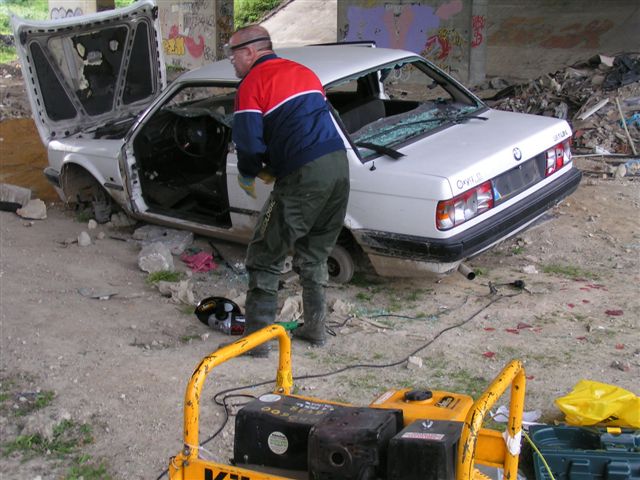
x=82, y=72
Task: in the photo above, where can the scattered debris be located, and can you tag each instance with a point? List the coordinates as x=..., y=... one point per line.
x=34, y=210
x=291, y=310
x=180, y=292
x=14, y=194
x=121, y=220
x=176, y=240
x=600, y=98
x=413, y=363
x=199, y=262
x=84, y=240
x=155, y=257
x=341, y=308
x=98, y=294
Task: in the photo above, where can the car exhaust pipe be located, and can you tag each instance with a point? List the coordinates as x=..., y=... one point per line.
x=467, y=271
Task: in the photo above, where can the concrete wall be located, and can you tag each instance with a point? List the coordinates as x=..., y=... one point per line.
x=194, y=31
x=440, y=30
x=74, y=8
x=548, y=34
x=472, y=39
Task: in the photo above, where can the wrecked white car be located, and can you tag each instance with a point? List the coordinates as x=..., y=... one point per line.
x=436, y=176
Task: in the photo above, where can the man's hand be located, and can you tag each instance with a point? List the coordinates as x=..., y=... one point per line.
x=266, y=177
x=248, y=184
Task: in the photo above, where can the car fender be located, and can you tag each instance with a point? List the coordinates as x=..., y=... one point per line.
x=77, y=172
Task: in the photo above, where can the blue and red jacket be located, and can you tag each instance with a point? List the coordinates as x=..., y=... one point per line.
x=281, y=118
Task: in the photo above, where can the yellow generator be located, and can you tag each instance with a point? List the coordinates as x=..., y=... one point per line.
x=402, y=435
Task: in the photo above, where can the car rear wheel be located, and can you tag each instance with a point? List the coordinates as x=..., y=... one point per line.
x=340, y=265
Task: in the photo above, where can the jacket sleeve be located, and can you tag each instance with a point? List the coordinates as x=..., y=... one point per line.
x=248, y=133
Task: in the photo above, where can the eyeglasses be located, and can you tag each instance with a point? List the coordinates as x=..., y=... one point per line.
x=229, y=49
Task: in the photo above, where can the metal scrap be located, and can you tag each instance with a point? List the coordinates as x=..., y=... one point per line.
x=587, y=95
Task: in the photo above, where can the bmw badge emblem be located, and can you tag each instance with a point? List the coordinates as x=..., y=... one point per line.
x=517, y=154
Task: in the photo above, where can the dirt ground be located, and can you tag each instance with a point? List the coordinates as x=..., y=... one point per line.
x=116, y=369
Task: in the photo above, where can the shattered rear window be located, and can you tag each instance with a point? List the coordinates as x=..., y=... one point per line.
x=399, y=102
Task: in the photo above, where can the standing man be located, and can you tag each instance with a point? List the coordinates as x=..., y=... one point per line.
x=283, y=130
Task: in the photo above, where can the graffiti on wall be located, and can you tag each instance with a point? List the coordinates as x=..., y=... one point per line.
x=477, y=30
x=62, y=12
x=415, y=27
x=535, y=31
x=193, y=34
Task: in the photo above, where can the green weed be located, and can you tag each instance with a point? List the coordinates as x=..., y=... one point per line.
x=67, y=437
x=479, y=271
x=250, y=11
x=32, y=9
x=568, y=271
x=83, y=216
x=163, y=276
x=364, y=297
x=29, y=401
x=517, y=250
x=188, y=338
x=85, y=468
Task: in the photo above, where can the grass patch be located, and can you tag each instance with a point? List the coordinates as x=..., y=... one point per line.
x=189, y=338
x=67, y=437
x=568, y=271
x=7, y=54
x=86, y=468
x=163, y=276
x=250, y=11
x=83, y=216
x=364, y=297
x=21, y=404
x=31, y=9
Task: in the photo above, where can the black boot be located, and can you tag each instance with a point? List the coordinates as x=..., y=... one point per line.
x=315, y=311
x=260, y=311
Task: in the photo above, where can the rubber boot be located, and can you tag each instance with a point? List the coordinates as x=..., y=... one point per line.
x=260, y=311
x=315, y=311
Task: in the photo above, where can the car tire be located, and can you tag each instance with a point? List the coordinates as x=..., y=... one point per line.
x=340, y=265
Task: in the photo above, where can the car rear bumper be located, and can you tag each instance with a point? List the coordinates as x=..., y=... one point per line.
x=475, y=239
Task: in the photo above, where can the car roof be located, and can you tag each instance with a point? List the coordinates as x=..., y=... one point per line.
x=329, y=62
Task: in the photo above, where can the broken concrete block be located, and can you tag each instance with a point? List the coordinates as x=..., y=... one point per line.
x=15, y=194
x=176, y=240
x=33, y=210
x=180, y=292
x=121, y=219
x=413, y=363
x=155, y=257
x=291, y=310
x=84, y=240
x=342, y=308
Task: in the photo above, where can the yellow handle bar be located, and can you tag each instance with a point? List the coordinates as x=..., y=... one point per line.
x=512, y=374
x=284, y=378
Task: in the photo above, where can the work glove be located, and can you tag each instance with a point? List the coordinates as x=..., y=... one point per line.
x=266, y=177
x=248, y=184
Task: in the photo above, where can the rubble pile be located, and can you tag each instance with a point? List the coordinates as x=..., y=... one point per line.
x=600, y=98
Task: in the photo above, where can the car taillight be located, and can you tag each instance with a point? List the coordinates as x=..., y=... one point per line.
x=451, y=213
x=557, y=157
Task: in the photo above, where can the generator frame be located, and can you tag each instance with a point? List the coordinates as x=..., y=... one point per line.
x=477, y=444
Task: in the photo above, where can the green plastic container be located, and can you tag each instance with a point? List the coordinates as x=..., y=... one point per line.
x=577, y=453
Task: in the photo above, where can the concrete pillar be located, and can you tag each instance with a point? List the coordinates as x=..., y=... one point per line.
x=478, y=41
x=194, y=31
x=437, y=29
x=74, y=8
